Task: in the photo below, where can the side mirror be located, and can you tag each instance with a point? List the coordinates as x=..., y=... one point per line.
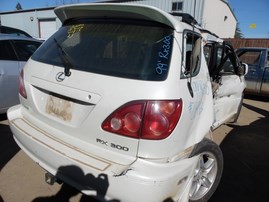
x=244, y=67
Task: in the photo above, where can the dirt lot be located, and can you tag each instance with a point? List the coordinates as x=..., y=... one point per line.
x=245, y=149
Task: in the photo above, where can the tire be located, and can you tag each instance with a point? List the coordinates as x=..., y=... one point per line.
x=208, y=171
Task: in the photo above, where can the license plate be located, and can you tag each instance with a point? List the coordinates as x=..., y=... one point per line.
x=59, y=108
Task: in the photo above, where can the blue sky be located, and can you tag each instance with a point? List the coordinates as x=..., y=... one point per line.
x=10, y=5
x=247, y=12
x=250, y=12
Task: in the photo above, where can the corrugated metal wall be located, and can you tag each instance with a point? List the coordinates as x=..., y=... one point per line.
x=210, y=14
x=237, y=43
x=166, y=5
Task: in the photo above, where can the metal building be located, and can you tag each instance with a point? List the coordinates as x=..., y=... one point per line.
x=214, y=15
x=39, y=23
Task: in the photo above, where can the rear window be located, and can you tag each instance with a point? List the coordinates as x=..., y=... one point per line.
x=250, y=57
x=137, y=50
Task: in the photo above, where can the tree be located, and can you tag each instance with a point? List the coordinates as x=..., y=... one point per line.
x=238, y=32
x=18, y=6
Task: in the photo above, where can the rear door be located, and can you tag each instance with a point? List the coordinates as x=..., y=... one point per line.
x=13, y=56
x=9, y=71
x=227, y=83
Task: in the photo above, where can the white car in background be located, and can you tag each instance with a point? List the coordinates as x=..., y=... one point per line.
x=120, y=103
x=13, y=31
x=14, y=52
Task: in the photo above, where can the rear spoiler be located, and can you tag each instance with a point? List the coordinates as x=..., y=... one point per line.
x=110, y=10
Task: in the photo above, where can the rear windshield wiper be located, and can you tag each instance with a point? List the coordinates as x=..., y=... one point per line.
x=65, y=59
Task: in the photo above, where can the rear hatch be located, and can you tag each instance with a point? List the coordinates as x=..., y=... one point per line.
x=88, y=69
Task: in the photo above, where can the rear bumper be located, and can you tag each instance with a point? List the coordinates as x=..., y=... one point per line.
x=141, y=181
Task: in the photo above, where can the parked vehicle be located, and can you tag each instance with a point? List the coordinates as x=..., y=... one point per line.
x=13, y=31
x=257, y=78
x=120, y=103
x=14, y=52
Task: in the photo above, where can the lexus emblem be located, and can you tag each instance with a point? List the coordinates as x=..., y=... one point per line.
x=60, y=76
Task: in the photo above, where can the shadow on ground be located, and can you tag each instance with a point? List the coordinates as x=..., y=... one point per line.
x=8, y=147
x=97, y=185
x=257, y=98
x=66, y=192
x=246, y=161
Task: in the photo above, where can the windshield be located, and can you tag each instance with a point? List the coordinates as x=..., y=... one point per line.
x=123, y=49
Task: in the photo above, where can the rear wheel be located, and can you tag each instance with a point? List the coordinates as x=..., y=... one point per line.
x=208, y=171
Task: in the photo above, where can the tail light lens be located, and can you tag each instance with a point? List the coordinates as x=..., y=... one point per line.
x=126, y=120
x=22, y=90
x=152, y=120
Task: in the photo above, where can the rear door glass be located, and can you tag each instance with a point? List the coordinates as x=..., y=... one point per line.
x=192, y=54
x=6, y=51
x=129, y=49
x=25, y=49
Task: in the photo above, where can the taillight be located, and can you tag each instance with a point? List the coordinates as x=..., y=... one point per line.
x=22, y=90
x=126, y=120
x=153, y=120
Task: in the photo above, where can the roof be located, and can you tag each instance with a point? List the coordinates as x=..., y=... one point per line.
x=12, y=37
x=114, y=10
x=9, y=30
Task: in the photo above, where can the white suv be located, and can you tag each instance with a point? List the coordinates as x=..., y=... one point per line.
x=120, y=102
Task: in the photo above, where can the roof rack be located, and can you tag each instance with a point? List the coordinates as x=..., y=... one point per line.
x=207, y=31
x=189, y=19
x=185, y=17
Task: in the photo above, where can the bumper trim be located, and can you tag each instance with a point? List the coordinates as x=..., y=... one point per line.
x=22, y=124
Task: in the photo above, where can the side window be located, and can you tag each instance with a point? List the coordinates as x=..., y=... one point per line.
x=250, y=57
x=25, y=49
x=191, y=54
x=208, y=53
x=6, y=51
x=226, y=60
